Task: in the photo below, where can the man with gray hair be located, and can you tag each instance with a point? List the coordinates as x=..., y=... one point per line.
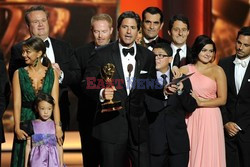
x=101, y=29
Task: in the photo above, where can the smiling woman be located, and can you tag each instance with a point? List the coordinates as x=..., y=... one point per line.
x=27, y=82
x=204, y=125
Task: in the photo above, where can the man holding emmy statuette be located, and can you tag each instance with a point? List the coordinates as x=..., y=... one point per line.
x=123, y=133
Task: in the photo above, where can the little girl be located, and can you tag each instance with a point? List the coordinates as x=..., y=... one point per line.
x=42, y=149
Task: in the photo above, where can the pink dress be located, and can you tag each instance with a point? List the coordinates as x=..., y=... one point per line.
x=205, y=127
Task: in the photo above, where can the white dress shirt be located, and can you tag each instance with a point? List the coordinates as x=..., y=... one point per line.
x=239, y=71
x=50, y=54
x=49, y=51
x=182, y=53
x=126, y=60
x=160, y=79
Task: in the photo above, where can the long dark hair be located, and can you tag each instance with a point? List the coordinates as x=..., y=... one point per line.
x=199, y=43
x=37, y=44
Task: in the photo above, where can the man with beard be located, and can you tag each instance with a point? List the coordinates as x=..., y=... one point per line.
x=236, y=114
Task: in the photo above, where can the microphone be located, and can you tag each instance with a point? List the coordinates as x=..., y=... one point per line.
x=130, y=69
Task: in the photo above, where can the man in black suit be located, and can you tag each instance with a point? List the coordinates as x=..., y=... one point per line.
x=101, y=28
x=60, y=54
x=4, y=96
x=123, y=133
x=236, y=114
x=169, y=142
x=152, y=23
x=178, y=29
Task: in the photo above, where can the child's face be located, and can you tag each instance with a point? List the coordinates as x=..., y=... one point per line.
x=45, y=110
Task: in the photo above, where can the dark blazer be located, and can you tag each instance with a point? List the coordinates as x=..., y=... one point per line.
x=114, y=126
x=237, y=106
x=86, y=105
x=64, y=56
x=167, y=127
x=4, y=94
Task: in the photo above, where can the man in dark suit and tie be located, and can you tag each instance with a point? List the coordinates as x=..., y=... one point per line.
x=4, y=96
x=236, y=112
x=101, y=28
x=152, y=23
x=60, y=54
x=169, y=143
x=178, y=29
x=123, y=133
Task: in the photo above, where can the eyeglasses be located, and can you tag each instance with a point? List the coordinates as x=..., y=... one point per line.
x=161, y=56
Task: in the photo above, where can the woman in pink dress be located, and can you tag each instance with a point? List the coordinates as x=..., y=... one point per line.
x=204, y=125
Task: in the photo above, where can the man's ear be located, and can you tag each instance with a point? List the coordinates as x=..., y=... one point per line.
x=169, y=33
x=111, y=30
x=170, y=59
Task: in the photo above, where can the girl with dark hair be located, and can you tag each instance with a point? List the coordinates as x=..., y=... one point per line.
x=27, y=82
x=204, y=125
x=41, y=147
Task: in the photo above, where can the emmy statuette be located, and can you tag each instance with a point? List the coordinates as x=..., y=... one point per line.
x=107, y=74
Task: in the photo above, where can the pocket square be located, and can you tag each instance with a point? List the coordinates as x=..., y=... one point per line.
x=143, y=72
x=248, y=80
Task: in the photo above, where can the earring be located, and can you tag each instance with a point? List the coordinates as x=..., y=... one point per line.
x=36, y=62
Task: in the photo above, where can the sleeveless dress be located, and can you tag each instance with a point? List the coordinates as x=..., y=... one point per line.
x=44, y=151
x=205, y=127
x=28, y=96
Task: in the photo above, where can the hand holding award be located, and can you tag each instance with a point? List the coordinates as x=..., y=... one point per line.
x=107, y=74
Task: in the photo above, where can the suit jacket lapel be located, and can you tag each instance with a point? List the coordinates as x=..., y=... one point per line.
x=138, y=59
x=232, y=77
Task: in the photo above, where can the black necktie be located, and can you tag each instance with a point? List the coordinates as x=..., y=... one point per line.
x=152, y=44
x=164, y=81
x=126, y=51
x=177, y=58
x=46, y=43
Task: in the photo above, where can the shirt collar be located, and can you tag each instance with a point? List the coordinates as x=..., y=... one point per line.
x=158, y=73
x=246, y=60
x=183, y=47
x=147, y=41
x=48, y=39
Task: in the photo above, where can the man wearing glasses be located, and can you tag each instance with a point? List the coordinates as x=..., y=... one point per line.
x=169, y=143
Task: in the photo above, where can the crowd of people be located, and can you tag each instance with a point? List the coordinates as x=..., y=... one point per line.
x=177, y=108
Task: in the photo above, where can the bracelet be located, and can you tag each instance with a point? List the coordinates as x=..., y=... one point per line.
x=60, y=124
